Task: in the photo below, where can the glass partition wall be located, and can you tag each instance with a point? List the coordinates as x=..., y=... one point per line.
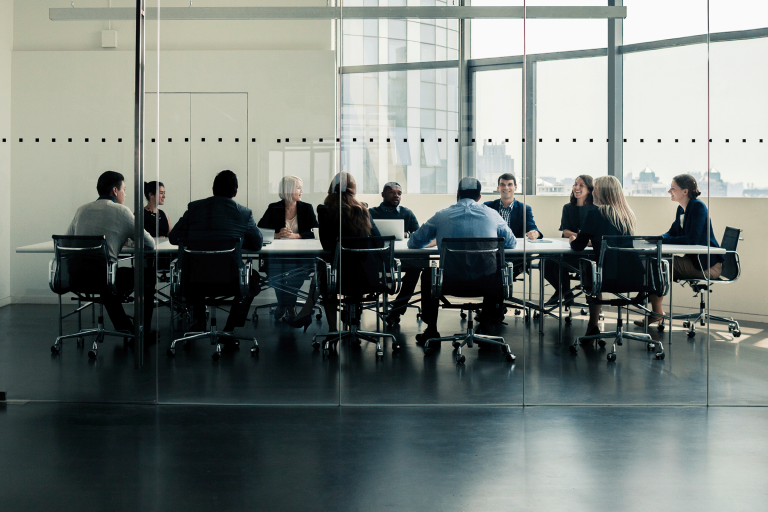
x=288, y=100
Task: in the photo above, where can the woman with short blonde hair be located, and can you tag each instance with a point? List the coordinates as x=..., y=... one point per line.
x=290, y=218
x=612, y=217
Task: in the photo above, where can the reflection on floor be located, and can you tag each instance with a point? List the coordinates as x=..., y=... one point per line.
x=289, y=371
x=84, y=457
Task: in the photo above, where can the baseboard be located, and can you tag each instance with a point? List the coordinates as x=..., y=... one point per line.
x=5, y=301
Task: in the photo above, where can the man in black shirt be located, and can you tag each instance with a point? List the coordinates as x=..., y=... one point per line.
x=390, y=209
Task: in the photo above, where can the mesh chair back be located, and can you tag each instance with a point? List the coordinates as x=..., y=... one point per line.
x=626, y=269
x=471, y=266
x=731, y=268
x=366, y=265
x=211, y=268
x=82, y=265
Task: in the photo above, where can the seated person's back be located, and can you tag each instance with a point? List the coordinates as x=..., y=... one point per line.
x=218, y=217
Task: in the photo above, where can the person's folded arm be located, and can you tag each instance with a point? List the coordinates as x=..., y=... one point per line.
x=530, y=223
x=581, y=241
x=422, y=236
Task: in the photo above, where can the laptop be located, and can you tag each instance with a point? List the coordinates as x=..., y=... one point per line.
x=391, y=227
x=268, y=235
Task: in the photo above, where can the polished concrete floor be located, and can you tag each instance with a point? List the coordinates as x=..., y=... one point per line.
x=288, y=371
x=90, y=457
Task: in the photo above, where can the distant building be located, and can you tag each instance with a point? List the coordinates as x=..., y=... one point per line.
x=547, y=186
x=493, y=163
x=646, y=184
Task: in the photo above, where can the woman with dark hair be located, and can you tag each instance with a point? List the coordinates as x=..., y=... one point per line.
x=688, y=228
x=574, y=213
x=340, y=215
x=291, y=218
x=155, y=221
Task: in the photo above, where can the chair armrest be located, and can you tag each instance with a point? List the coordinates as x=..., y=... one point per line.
x=397, y=278
x=591, y=278
x=245, y=277
x=175, y=277
x=321, y=266
x=112, y=275
x=508, y=276
x=52, y=268
x=436, y=279
x=665, y=277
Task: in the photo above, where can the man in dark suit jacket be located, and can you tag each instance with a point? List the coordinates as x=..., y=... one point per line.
x=511, y=210
x=220, y=217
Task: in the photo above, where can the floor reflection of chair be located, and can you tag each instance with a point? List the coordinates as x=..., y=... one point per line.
x=370, y=269
x=469, y=267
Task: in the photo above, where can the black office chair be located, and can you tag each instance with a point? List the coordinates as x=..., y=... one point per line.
x=278, y=281
x=363, y=269
x=210, y=272
x=81, y=266
x=730, y=273
x=625, y=265
x=469, y=267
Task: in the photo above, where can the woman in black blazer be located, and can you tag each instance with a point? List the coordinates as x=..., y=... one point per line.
x=612, y=217
x=290, y=218
x=574, y=214
x=688, y=228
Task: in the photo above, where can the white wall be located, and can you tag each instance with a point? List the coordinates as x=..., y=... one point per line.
x=6, y=46
x=90, y=94
x=745, y=299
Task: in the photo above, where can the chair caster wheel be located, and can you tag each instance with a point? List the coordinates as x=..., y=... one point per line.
x=650, y=346
x=511, y=358
x=612, y=356
x=659, y=355
x=568, y=319
x=418, y=316
x=702, y=323
x=460, y=359
x=736, y=333
x=463, y=316
x=601, y=343
x=91, y=354
x=661, y=327
x=171, y=352
x=215, y=356
x=517, y=312
x=395, y=346
x=456, y=344
x=81, y=342
x=601, y=316
x=326, y=352
x=315, y=345
x=691, y=334
x=55, y=349
x=428, y=352
x=318, y=316
x=380, y=354
x=527, y=318
x=536, y=315
x=686, y=324
x=255, y=350
x=583, y=311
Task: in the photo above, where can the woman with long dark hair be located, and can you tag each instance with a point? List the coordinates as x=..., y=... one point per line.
x=155, y=221
x=574, y=213
x=340, y=215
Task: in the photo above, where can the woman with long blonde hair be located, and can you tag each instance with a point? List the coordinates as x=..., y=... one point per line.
x=612, y=217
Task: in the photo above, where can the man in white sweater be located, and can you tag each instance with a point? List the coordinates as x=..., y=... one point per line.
x=108, y=216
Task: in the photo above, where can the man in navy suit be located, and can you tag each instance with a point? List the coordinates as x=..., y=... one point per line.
x=511, y=210
x=220, y=217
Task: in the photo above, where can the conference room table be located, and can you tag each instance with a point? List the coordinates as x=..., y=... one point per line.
x=545, y=249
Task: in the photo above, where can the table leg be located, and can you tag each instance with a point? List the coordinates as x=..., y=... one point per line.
x=560, y=326
x=542, y=263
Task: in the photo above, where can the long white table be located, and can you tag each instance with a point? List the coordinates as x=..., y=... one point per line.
x=312, y=247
